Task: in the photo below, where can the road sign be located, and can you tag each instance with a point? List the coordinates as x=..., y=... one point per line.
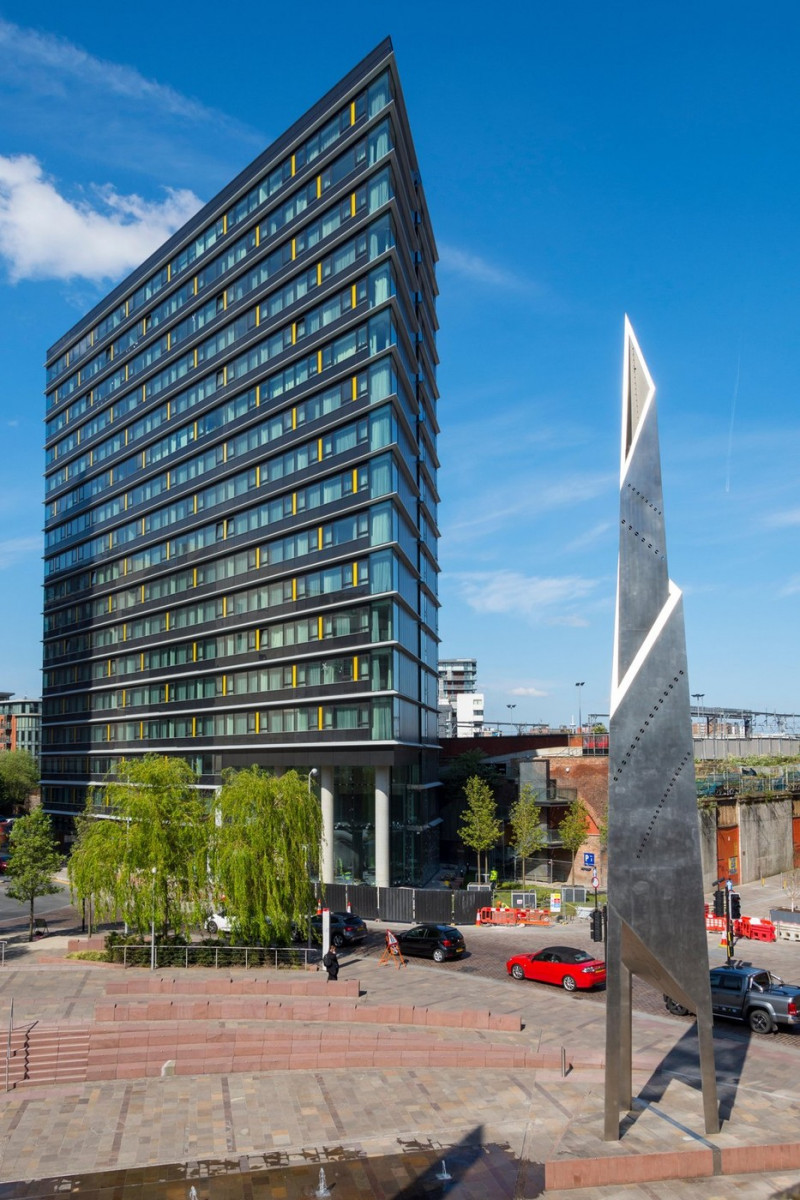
x=588, y=860
x=595, y=882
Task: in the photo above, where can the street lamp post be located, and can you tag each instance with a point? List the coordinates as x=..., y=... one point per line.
x=511, y=708
x=153, y=924
x=579, y=686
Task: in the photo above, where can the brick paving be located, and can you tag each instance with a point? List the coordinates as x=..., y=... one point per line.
x=385, y=1131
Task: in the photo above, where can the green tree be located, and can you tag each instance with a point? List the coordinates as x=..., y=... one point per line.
x=574, y=827
x=265, y=843
x=480, y=828
x=526, y=823
x=19, y=776
x=33, y=861
x=143, y=853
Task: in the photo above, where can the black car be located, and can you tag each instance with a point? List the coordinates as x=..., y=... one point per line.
x=432, y=941
x=346, y=928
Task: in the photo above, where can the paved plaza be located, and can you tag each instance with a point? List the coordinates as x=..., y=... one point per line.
x=397, y=1130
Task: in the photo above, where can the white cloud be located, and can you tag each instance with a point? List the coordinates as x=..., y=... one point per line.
x=477, y=269
x=45, y=236
x=58, y=61
x=783, y=520
x=528, y=691
x=548, y=600
x=14, y=550
x=791, y=587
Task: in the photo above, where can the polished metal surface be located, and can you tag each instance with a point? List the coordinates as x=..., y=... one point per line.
x=656, y=926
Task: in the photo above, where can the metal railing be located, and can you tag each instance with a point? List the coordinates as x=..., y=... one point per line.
x=286, y=957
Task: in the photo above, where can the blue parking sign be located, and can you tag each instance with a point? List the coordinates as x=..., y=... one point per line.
x=588, y=860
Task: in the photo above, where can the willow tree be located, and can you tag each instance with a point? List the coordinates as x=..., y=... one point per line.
x=265, y=843
x=142, y=847
x=480, y=828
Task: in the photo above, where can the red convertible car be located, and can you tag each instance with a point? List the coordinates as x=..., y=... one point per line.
x=564, y=965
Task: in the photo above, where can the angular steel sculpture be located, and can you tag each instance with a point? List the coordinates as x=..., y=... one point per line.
x=655, y=888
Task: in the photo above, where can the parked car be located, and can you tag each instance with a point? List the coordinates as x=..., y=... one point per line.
x=432, y=941
x=563, y=965
x=219, y=922
x=750, y=994
x=346, y=928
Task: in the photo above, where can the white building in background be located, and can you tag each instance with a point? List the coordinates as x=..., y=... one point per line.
x=469, y=714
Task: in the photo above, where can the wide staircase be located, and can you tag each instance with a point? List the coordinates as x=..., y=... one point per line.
x=192, y=1023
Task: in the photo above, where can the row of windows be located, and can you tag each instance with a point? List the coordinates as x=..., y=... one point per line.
x=377, y=146
x=383, y=523
x=256, y=437
x=368, y=103
x=373, y=717
x=378, y=382
x=372, y=242
x=182, y=402
x=371, y=480
x=371, y=622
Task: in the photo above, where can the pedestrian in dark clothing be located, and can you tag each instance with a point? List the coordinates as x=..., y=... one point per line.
x=331, y=964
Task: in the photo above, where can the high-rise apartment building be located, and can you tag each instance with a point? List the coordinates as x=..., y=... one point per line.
x=20, y=724
x=241, y=506
x=456, y=676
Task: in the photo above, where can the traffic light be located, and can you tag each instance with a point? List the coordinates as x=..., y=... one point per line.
x=736, y=906
x=596, y=920
x=719, y=904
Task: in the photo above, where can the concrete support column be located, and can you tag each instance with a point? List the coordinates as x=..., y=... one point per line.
x=382, y=826
x=326, y=864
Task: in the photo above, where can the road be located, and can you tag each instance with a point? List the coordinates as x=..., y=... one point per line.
x=14, y=917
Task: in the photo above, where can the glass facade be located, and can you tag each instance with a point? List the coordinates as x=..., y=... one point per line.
x=241, y=497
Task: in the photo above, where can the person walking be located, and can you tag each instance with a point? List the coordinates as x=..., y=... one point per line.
x=331, y=964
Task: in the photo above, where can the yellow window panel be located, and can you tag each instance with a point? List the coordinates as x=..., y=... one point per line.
x=141, y=731
x=144, y=526
x=355, y=574
x=166, y=692
x=125, y=631
x=194, y=651
x=144, y=391
x=110, y=609
x=169, y=409
x=167, y=480
x=194, y=434
x=108, y=667
x=194, y=504
x=355, y=666
x=194, y=726
x=194, y=576
x=319, y=362
x=166, y=617
x=195, y=356
x=141, y=661
x=125, y=502
x=142, y=594
x=258, y=475
x=319, y=449
x=319, y=273
x=355, y=479
x=258, y=394
x=169, y=271
x=294, y=588
x=224, y=222
x=353, y=296
x=294, y=332
x=319, y=717
x=294, y=675
x=258, y=235
x=108, y=733
x=169, y=339
x=319, y=186
x=127, y=308
x=124, y=698
x=168, y=544
x=294, y=504
x=319, y=629
x=352, y=204
x=258, y=558
x=258, y=721
x=294, y=164
x=258, y=639
x=294, y=248
x=294, y=418
x=194, y=285
x=319, y=538
x=258, y=315
x=224, y=685
x=224, y=452
x=124, y=566
x=352, y=112
x=224, y=606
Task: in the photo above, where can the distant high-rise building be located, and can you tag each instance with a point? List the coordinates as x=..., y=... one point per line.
x=457, y=675
x=20, y=724
x=241, y=499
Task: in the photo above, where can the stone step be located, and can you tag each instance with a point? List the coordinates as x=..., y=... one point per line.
x=48, y=1054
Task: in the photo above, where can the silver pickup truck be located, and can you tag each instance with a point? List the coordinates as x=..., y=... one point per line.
x=750, y=994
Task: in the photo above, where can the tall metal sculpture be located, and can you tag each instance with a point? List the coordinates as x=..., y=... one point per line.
x=655, y=888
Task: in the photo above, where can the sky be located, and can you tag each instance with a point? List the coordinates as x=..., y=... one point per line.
x=580, y=161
